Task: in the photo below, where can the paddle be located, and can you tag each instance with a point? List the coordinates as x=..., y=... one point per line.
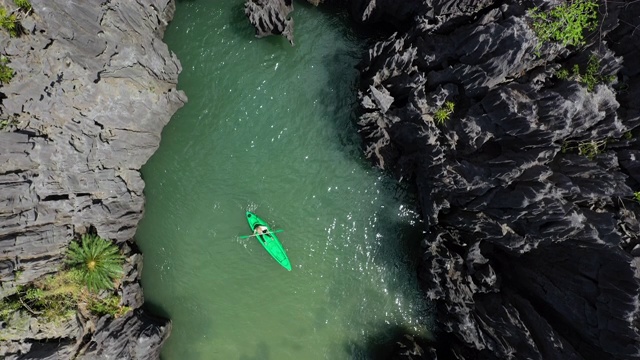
x=248, y=236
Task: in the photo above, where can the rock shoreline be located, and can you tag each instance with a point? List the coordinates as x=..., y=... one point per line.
x=94, y=85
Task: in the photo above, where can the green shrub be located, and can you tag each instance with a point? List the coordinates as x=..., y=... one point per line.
x=24, y=5
x=56, y=296
x=590, y=78
x=107, y=306
x=9, y=22
x=565, y=23
x=576, y=71
x=591, y=148
x=444, y=113
x=636, y=195
x=6, y=73
x=98, y=261
x=562, y=74
x=53, y=298
x=4, y=124
x=7, y=307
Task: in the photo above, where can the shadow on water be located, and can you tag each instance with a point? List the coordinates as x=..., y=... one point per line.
x=196, y=319
x=402, y=236
x=239, y=22
x=261, y=353
x=405, y=237
x=155, y=309
x=240, y=25
x=339, y=10
x=385, y=345
x=340, y=102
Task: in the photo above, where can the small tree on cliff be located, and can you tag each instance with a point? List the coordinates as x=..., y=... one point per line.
x=98, y=261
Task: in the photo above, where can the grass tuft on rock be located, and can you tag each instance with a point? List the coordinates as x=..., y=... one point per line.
x=24, y=5
x=107, y=306
x=444, y=112
x=6, y=73
x=591, y=148
x=9, y=22
x=591, y=77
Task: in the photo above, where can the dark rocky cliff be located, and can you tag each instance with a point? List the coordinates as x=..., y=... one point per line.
x=94, y=85
x=531, y=243
x=527, y=191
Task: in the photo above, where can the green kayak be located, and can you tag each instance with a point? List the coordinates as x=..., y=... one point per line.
x=269, y=241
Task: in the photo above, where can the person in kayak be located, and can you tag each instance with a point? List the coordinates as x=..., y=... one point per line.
x=260, y=230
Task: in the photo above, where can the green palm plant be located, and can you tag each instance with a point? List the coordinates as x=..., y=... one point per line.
x=98, y=261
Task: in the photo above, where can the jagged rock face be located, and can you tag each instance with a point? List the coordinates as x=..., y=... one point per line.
x=529, y=244
x=407, y=348
x=270, y=17
x=396, y=13
x=403, y=14
x=46, y=351
x=94, y=85
x=134, y=336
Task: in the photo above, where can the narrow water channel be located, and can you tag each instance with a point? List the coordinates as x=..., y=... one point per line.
x=269, y=128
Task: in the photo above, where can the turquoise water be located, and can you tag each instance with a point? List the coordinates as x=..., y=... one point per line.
x=269, y=128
